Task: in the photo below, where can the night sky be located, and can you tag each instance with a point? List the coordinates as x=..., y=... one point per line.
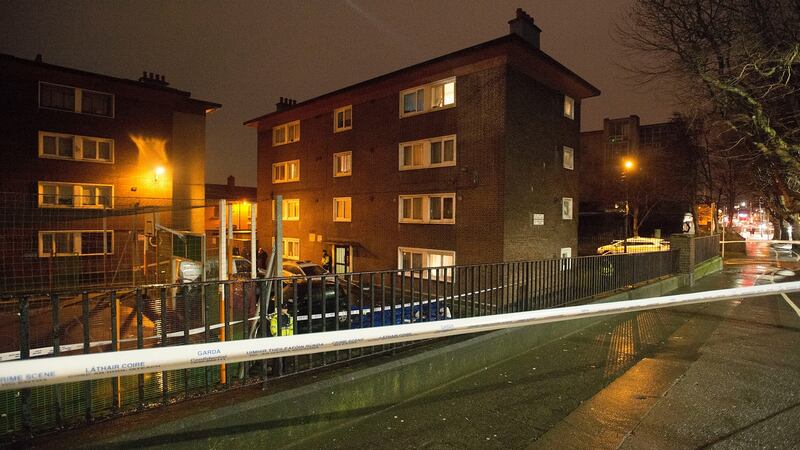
x=246, y=54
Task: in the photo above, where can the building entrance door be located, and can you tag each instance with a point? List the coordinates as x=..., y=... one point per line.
x=341, y=258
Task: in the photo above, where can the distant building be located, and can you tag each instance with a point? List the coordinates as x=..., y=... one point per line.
x=84, y=155
x=656, y=150
x=465, y=158
x=241, y=198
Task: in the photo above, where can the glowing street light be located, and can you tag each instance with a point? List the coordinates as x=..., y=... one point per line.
x=627, y=165
x=159, y=171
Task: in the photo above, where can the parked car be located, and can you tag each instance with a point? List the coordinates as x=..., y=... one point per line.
x=635, y=244
x=302, y=268
x=316, y=304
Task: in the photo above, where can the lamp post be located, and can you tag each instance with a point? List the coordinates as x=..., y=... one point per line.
x=627, y=166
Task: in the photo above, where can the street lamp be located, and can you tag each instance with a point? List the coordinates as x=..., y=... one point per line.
x=627, y=166
x=159, y=171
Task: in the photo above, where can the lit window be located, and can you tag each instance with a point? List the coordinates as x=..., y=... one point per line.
x=434, y=152
x=421, y=258
x=71, y=195
x=290, y=209
x=286, y=171
x=341, y=209
x=430, y=97
x=342, y=164
x=427, y=208
x=566, y=208
x=569, y=158
x=343, y=118
x=286, y=133
x=68, y=98
x=291, y=247
x=569, y=107
x=73, y=243
x=78, y=148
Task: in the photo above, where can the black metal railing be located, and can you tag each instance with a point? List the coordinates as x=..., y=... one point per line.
x=706, y=247
x=44, y=325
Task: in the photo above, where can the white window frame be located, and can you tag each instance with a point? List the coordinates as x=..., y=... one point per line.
x=287, y=172
x=77, y=195
x=77, y=147
x=426, y=211
x=289, y=205
x=426, y=90
x=336, y=172
x=568, y=157
x=427, y=145
x=343, y=110
x=285, y=127
x=77, y=107
x=426, y=259
x=348, y=207
x=569, y=107
x=566, y=208
x=77, y=241
x=289, y=240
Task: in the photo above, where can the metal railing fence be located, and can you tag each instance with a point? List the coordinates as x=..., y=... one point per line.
x=46, y=325
x=706, y=247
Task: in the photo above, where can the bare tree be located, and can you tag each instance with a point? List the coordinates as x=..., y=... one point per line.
x=735, y=62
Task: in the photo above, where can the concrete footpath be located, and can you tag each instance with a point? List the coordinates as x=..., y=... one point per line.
x=722, y=374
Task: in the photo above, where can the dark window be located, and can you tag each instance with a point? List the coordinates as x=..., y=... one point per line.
x=59, y=97
x=97, y=103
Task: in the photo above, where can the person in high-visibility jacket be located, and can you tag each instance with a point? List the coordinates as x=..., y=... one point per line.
x=286, y=324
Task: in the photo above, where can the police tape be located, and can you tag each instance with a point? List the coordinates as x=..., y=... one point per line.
x=65, y=348
x=63, y=369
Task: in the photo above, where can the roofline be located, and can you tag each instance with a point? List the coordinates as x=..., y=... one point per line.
x=502, y=39
x=186, y=94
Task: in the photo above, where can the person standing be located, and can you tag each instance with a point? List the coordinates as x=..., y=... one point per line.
x=326, y=261
x=261, y=258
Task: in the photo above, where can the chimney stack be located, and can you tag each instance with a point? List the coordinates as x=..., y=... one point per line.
x=153, y=79
x=285, y=103
x=231, y=181
x=523, y=26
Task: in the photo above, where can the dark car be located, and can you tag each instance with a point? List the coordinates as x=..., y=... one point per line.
x=319, y=297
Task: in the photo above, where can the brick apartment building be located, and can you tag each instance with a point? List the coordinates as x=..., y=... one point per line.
x=465, y=158
x=241, y=199
x=657, y=149
x=82, y=154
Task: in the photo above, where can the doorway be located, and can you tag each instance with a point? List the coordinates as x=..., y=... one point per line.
x=341, y=258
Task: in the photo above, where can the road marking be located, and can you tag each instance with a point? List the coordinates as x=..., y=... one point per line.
x=791, y=303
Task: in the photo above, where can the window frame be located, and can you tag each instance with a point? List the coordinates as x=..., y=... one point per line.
x=569, y=107
x=295, y=241
x=348, y=201
x=426, y=205
x=78, y=100
x=427, y=101
x=286, y=164
x=77, y=147
x=343, y=110
x=336, y=172
x=565, y=150
x=285, y=209
x=77, y=242
x=78, y=198
x=285, y=128
x=567, y=214
x=426, y=254
x=426, y=153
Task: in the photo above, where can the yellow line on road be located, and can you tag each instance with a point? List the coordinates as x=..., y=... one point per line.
x=791, y=303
